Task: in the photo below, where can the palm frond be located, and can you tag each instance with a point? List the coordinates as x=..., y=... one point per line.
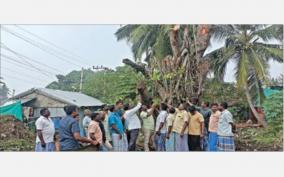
x=270, y=32
x=221, y=32
x=242, y=69
x=269, y=51
x=219, y=60
x=125, y=31
x=255, y=88
x=260, y=65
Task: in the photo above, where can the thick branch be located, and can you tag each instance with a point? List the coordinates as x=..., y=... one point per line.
x=137, y=67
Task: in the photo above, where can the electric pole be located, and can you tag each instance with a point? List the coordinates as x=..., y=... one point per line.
x=103, y=68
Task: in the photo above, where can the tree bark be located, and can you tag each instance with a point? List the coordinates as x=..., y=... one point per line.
x=249, y=100
x=174, y=44
x=137, y=67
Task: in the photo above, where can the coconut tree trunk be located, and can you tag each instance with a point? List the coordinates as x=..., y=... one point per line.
x=254, y=112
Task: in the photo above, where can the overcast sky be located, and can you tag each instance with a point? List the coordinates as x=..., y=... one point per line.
x=84, y=46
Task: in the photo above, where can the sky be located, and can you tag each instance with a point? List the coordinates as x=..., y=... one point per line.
x=78, y=45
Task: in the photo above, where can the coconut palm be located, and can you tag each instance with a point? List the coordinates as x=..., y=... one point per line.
x=250, y=47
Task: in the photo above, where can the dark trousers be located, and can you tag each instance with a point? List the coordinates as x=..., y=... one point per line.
x=133, y=134
x=194, y=143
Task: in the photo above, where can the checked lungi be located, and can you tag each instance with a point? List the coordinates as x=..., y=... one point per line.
x=225, y=143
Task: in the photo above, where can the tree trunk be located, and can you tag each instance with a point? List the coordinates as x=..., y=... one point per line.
x=137, y=67
x=142, y=90
x=174, y=44
x=262, y=122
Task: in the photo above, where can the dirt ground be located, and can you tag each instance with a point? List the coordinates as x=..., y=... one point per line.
x=15, y=136
x=260, y=139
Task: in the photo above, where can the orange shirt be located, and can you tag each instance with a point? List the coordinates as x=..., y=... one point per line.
x=95, y=128
x=213, y=121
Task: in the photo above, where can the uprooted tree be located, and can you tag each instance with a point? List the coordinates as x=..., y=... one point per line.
x=173, y=59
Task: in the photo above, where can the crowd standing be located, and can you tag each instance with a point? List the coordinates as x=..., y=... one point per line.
x=187, y=127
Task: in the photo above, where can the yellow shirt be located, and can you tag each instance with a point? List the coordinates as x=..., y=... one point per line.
x=195, y=123
x=170, y=120
x=180, y=118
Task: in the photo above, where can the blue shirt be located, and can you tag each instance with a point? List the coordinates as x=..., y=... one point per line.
x=115, y=118
x=68, y=126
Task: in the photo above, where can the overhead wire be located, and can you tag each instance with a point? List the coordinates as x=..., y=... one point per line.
x=20, y=73
x=43, y=48
x=28, y=58
x=70, y=54
x=46, y=73
x=22, y=80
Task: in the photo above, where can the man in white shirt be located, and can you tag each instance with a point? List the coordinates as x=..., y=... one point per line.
x=225, y=130
x=45, y=132
x=161, y=128
x=133, y=125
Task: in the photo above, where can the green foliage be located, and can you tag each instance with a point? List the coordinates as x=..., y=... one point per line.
x=106, y=86
x=111, y=86
x=239, y=111
x=261, y=139
x=243, y=46
x=15, y=144
x=273, y=106
x=147, y=39
x=215, y=91
x=71, y=82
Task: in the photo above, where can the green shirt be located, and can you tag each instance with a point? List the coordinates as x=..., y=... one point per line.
x=148, y=121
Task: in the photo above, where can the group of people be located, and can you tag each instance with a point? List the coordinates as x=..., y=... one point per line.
x=187, y=127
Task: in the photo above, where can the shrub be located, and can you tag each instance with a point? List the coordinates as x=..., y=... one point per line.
x=273, y=106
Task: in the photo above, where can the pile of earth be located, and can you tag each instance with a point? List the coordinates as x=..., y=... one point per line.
x=261, y=139
x=15, y=135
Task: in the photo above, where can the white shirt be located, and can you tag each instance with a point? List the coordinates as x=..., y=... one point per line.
x=162, y=118
x=224, y=126
x=132, y=119
x=47, y=128
x=86, y=121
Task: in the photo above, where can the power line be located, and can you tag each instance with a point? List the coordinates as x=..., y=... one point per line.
x=15, y=71
x=38, y=46
x=32, y=65
x=73, y=55
x=28, y=58
x=23, y=80
x=19, y=62
x=19, y=65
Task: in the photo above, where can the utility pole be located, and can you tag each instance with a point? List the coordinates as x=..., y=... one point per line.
x=81, y=80
x=105, y=69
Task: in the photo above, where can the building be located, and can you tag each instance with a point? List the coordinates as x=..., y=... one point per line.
x=35, y=99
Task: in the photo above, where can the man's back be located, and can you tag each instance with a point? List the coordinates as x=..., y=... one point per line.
x=68, y=126
x=114, y=119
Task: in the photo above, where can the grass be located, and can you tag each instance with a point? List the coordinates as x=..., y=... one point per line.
x=260, y=139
